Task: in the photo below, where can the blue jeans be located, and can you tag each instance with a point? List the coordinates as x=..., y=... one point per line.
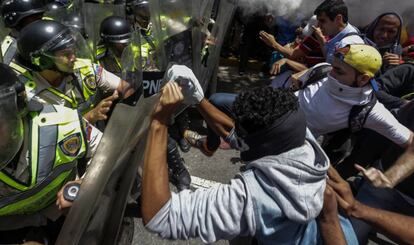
x=223, y=102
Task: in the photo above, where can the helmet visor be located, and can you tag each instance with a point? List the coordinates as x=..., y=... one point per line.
x=65, y=49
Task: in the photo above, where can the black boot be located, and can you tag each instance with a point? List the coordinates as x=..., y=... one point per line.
x=179, y=175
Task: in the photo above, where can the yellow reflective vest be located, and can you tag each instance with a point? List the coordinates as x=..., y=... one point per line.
x=56, y=141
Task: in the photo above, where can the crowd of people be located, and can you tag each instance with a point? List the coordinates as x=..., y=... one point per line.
x=328, y=144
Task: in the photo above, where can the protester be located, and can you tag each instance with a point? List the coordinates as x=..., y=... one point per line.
x=253, y=204
x=306, y=51
x=333, y=22
x=385, y=32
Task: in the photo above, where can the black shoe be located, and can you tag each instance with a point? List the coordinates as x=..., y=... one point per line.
x=179, y=176
x=184, y=145
x=178, y=173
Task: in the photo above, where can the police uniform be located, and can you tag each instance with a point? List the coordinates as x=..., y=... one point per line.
x=55, y=138
x=109, y=61
x=77, y=91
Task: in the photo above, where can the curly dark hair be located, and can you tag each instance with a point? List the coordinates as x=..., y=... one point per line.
x=259, y=108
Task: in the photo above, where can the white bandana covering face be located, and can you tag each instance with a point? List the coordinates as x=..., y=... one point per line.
x=347, y=94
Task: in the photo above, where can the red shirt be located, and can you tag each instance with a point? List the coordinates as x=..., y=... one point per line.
x=311, y=47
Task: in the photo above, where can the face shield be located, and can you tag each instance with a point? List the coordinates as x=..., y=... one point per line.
x=11, y=126
x=65, y=49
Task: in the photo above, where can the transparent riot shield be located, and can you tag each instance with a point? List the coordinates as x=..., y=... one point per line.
x=98, y=212
x=64, y=45
x=172, y=25
x=202, y=16
x=217, y=27
x=131, y=64
x=94, y=13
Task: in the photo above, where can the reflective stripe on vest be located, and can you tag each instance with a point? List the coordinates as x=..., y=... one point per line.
x=84, y=72
x=52, y=134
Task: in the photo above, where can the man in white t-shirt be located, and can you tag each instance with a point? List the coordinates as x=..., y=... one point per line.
x=333, y=22
x=327, y=103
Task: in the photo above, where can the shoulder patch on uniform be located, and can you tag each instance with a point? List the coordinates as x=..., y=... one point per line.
x=90, y=81
x=71, y=145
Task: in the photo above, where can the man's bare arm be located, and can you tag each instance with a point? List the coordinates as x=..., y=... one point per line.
x=403, y=167
x=155, y=188
x=216, y=119
x=328, y=220
x=393, y=225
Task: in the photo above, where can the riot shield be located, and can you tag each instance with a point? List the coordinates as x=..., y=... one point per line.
x=98, y=209
x=131, y=64
x=218, y=26
x=94, y=13
x=97, y=214
x=172, y=25
x=202, y=14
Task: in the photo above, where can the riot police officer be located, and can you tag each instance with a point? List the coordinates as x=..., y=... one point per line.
x=138, y=13
x=116, y=34
x=60, y=76
x=39, y=151
x=61, y=71
x=16, y=15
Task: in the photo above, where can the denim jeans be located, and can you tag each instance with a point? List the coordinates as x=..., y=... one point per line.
x=223, y=102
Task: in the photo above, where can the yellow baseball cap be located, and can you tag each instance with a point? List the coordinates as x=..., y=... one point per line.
x=364, y=58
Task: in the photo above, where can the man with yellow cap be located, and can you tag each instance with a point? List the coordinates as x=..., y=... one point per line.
x=346, y=99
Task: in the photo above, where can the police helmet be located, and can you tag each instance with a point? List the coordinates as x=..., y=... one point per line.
x=13, y=11
x=75, y=22
x=115, y=29
x=55, y=6
x=40, y=39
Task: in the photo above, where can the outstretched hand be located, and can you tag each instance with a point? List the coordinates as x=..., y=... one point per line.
x=100, y=111
x=375, y=176
x=268, y=39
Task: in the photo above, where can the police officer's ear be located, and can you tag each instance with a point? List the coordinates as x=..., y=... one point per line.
x=43, y=62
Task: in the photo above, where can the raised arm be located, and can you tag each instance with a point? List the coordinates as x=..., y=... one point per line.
x=155, y=188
